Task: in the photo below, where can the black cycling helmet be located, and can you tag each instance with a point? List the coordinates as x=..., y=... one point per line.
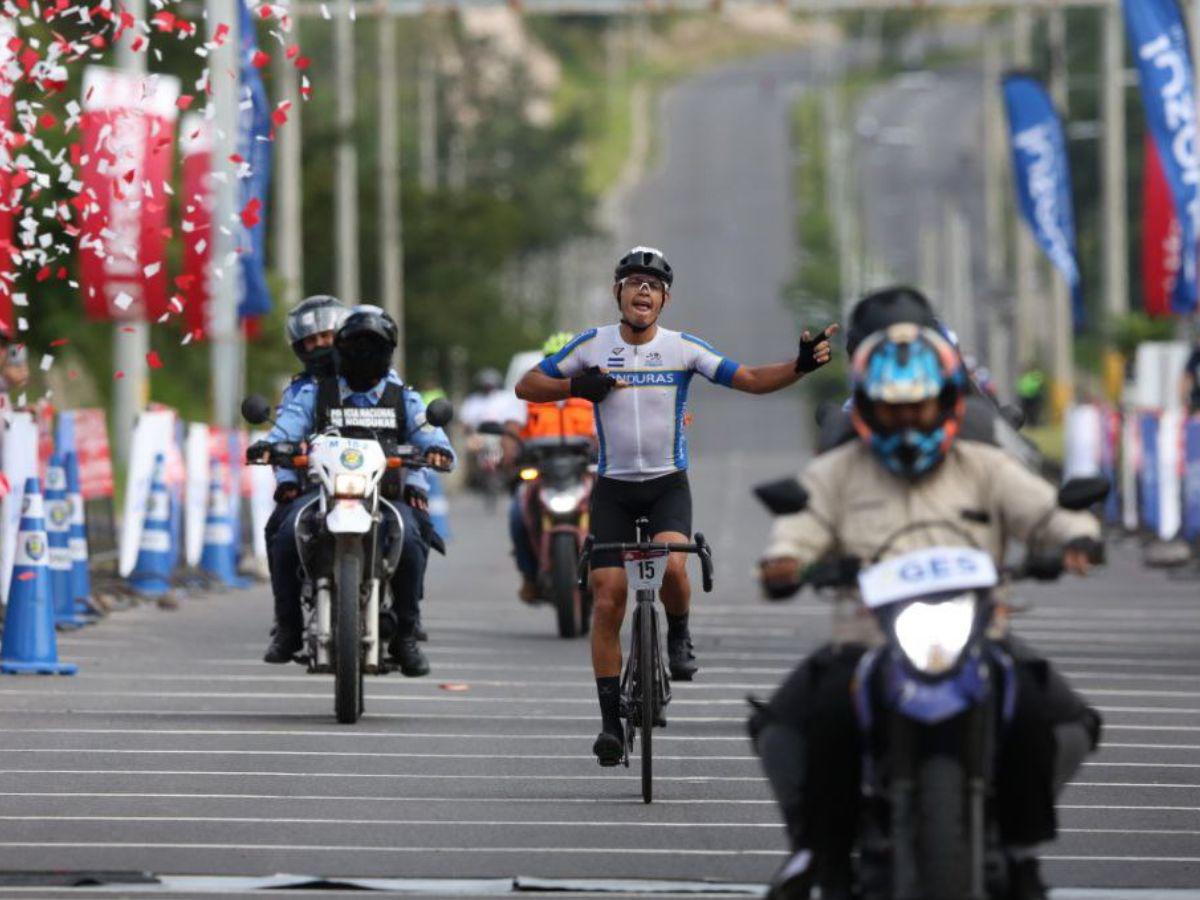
x=310, y=316
x=885, y=307
x=646, y=260
x=364, y=345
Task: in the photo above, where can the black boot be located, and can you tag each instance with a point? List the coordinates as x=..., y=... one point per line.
x=406, y=653
x=1025, y=880
x=285, y=644
x=609, y=748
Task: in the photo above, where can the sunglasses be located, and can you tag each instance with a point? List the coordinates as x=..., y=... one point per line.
x=637, y=282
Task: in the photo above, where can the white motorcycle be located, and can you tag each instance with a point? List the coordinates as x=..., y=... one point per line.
x=346, y=564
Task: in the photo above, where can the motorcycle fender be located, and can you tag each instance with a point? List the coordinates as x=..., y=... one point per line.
x=324, y=624
x=936, y=701
x=348, y=517
x=372, y=639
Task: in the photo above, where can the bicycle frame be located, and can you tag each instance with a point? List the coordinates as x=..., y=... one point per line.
x=645, y=684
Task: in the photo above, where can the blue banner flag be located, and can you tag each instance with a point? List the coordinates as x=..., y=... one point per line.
x=1043, y=178
x=254, y=147
x=1160, y=48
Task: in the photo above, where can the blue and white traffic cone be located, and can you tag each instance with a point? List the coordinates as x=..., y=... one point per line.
x=58, y=536
x=81, y=576
x=151, y=576
x=439, y=505
x=219, y=556
x=30, y=644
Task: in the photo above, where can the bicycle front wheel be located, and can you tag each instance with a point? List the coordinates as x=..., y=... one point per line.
x=648, y=662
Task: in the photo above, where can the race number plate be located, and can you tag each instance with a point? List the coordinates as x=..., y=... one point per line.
x=645, y=568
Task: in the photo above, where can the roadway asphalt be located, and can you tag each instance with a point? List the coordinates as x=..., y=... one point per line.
x=176, y=751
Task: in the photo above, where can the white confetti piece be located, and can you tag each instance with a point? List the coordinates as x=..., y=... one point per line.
x=122, y=301
x=47, y=362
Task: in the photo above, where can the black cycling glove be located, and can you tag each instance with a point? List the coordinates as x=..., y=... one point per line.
x=592, y=384
x=259, y=451
x=415, y=497
x=806, y=359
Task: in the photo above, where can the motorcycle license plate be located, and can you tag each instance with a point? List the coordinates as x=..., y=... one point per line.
x=645, y=568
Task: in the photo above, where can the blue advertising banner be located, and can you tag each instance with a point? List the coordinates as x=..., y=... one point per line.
x=1160, y=48
x=254, y=147
x=1043, y=178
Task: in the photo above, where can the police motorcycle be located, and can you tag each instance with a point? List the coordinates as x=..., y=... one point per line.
x=347, y=562
x=559, y=473
x=930, y=705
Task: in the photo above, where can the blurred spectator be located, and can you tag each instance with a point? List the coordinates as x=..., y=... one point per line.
x=1031, y=392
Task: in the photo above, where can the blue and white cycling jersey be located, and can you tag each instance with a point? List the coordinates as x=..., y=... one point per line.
x=641, y=426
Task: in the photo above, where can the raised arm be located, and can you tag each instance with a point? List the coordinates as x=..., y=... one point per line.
x=814, y=352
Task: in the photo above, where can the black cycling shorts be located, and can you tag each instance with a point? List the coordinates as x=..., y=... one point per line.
x=616, y=505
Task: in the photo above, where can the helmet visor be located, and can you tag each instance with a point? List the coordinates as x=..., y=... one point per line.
x=314, y=321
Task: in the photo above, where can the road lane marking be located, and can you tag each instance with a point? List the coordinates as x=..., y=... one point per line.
x=685, y=779
x=375, y=798
x=348, y=753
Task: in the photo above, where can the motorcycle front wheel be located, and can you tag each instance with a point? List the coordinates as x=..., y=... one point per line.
x=347, y=636
x=942, y=848
x=569, y=601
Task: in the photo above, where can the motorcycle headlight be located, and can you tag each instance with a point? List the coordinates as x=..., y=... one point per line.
x=529, y=473
x=350, y=485
x=562, y=502
x=934, y=635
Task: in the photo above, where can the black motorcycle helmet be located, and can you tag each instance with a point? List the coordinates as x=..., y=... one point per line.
x=645, y=260
x=882, y=308
x=310, y=316
x=364, y=345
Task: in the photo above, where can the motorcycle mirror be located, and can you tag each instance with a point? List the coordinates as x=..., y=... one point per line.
x=439, y=412
x=1013, y=415
x=491, y=428
x=255, y=409
x=1081, y=493
x=783, y=497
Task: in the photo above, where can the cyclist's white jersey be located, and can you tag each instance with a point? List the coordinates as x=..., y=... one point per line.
x=641, y=427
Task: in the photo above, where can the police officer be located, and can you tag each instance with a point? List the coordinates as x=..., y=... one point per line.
x=363, y=349
x=310, y=328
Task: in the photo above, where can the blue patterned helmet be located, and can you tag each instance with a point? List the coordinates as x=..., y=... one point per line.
x=907, y=364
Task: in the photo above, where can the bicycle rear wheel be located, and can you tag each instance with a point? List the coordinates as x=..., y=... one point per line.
x=647, y=659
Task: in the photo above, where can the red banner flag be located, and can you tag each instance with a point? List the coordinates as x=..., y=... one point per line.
x=128, y=131
x=196, y=147
x=1161, y=236
x=95, y=458
x=7, y=274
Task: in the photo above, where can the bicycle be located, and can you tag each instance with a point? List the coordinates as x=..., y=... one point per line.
x=643, y=699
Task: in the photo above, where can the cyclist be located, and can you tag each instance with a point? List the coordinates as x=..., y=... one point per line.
x=909, y=466
x=573, y=417
x=637, y=374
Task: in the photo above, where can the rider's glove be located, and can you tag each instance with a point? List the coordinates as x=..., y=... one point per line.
x=806, y=359
x=415, y=497
x=286, y=492
x=259, y=451
x=592, y=384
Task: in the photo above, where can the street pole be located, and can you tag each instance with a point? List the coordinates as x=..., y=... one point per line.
x=1026, y=280
x=346, y=191
x=391, y=247
x=289, y=202
x=993, y=161
x=427, y=110
x=1062, y=348
x=837, y=184
x=131, y=338
x=1116, y=261
x=224, y=276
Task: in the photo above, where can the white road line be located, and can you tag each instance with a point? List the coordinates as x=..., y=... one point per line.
x=141, y=773
x=305, y=820
x=333, y=848
x=346, y=753
x=401, y=717
x=401, y=735
x=375, y=798
x=1139, y=765
x=1186, y=809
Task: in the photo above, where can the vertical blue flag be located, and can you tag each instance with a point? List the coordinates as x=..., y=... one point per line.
x=254, y=147
x=1160, y=48
x=1043, y=178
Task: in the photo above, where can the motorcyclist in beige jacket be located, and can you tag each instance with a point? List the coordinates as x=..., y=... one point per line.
x=909, y=483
